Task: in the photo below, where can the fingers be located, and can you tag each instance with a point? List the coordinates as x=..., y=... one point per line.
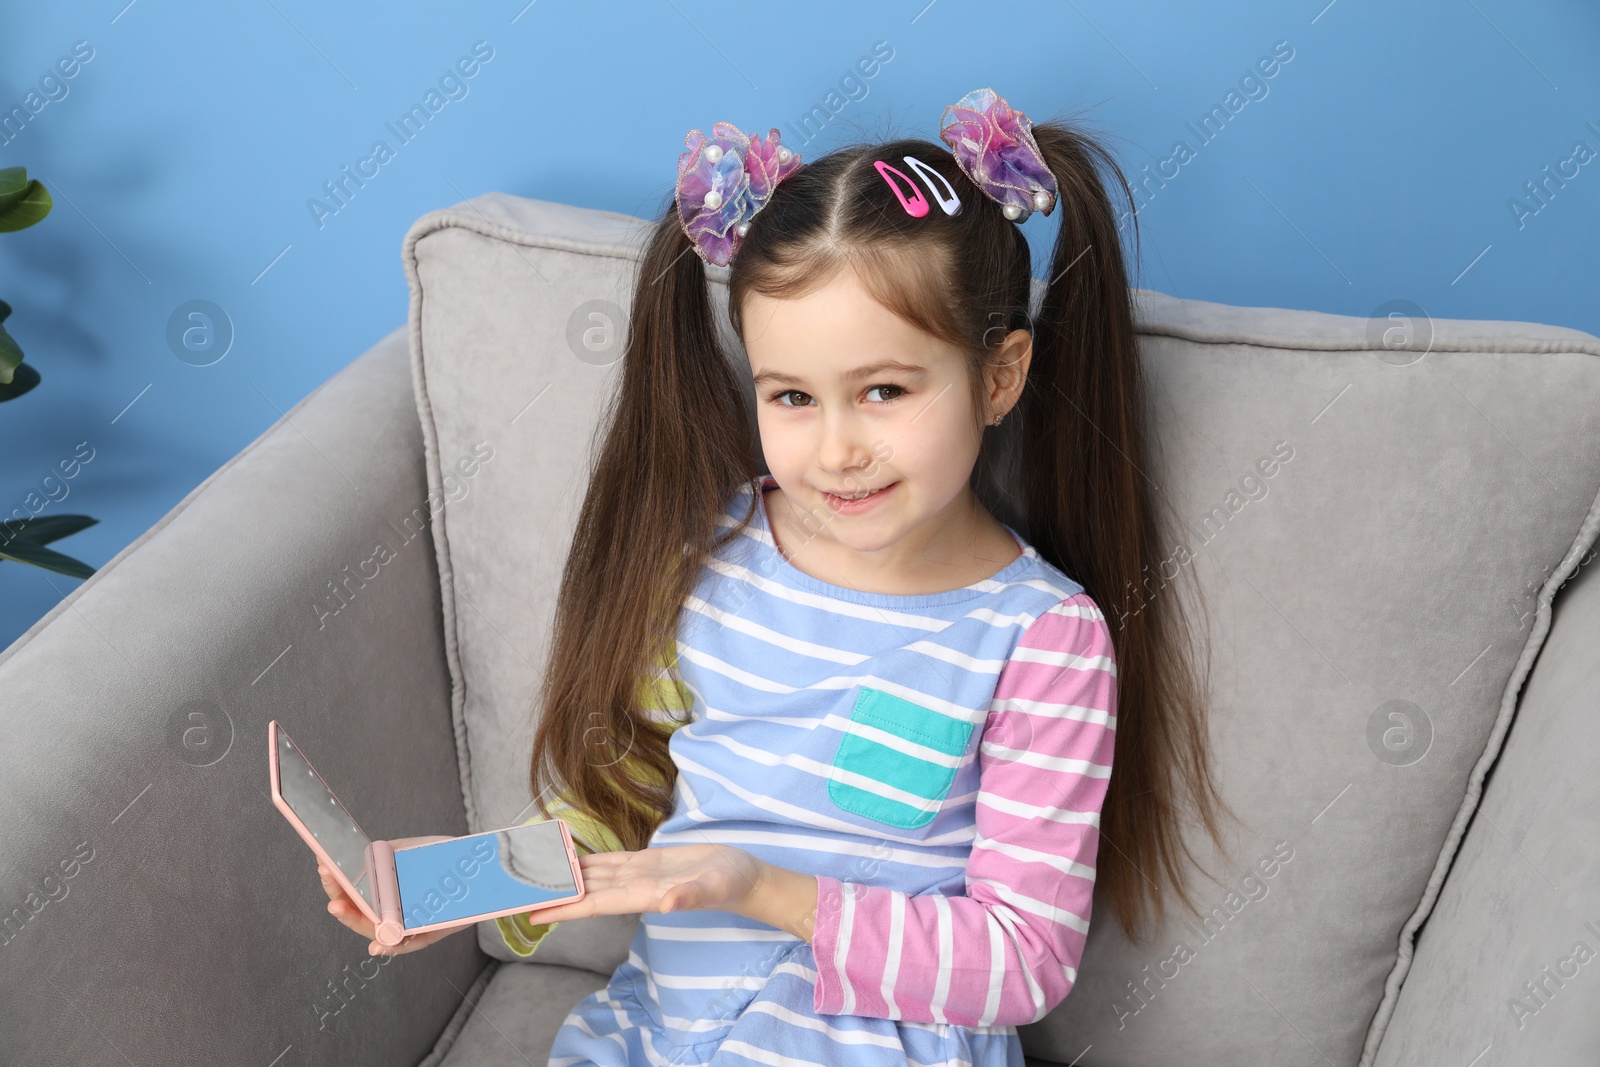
x=560, y=913
x=341, y=908
x=596, y=860
x=332, y=886
x=351, y=917
x=598, y=899
x=408, y=944
x=411, y=842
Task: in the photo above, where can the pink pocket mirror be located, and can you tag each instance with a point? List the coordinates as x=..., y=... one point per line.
x=437, y=886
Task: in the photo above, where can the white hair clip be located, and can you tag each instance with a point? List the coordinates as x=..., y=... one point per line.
x=949, y=202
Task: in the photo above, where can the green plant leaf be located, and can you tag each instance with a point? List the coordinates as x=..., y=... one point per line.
x=22, y=550
x=43, y=531
x=20, y=209
x=10, y=354
x=13, y=182
x=22, y=380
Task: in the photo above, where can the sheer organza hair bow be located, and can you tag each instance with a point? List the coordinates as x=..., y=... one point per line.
x=726, y=179
x=723, y=181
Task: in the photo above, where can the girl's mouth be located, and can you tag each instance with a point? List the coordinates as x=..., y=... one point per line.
x=856, y=504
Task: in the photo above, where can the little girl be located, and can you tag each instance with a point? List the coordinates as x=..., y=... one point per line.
x=841, y=735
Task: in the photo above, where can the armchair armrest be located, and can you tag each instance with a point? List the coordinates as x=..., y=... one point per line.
x=152, y=899
x=1506, y=959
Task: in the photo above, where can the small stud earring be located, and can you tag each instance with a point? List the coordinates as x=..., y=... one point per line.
x=997, y=419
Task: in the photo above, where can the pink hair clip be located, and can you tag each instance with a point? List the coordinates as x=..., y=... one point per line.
x=723, y=181
x=917, y=205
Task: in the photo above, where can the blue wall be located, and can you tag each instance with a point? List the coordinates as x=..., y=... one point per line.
x=1384, y=159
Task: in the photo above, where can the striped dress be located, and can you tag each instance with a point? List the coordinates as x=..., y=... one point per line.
x=937, y=761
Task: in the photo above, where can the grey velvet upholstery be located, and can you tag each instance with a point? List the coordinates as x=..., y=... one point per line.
x=1506, y=964
x=195, y=933
x=1408, y=550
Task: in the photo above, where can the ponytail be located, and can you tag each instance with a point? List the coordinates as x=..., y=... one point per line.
x=677, y=444
x=1092, y=509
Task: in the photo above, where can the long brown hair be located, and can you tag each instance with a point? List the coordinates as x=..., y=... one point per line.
x=680, y=441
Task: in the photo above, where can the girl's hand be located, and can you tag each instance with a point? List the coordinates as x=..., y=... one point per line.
x=341, y=907
x=664, y=878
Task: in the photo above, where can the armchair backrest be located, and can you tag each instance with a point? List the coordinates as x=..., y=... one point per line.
x=1377, y=531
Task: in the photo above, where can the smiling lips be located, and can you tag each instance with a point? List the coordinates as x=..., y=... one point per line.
x=857, y=502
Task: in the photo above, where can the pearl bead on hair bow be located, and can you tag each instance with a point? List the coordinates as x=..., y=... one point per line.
x=723, y=181
x=994, y=146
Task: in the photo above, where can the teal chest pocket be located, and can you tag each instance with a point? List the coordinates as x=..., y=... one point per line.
x=896, y=763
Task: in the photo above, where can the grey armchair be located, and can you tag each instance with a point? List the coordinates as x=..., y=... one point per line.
x=1404, y=692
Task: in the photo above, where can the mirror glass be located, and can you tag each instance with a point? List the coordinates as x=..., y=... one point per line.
x=315, y=805
x=521, y=867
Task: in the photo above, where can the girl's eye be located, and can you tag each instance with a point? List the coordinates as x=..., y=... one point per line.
x=782, y=399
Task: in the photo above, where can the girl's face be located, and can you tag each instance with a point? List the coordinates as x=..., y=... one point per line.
x=851, y=399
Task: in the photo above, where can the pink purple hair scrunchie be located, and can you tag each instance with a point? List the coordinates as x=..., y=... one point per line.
x=723, y=181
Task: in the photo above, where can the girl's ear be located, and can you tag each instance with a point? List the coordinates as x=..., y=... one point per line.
x=1006, y=372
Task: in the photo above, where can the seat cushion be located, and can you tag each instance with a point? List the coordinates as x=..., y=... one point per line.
x=513, y=1021
x=1376, y=532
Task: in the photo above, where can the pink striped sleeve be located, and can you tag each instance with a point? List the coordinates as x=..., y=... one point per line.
x=1007, y=952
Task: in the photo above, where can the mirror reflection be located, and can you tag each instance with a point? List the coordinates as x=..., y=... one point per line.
x=316, y=806
x=520, y=867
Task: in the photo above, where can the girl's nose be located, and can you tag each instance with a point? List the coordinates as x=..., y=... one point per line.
x=844, y=444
